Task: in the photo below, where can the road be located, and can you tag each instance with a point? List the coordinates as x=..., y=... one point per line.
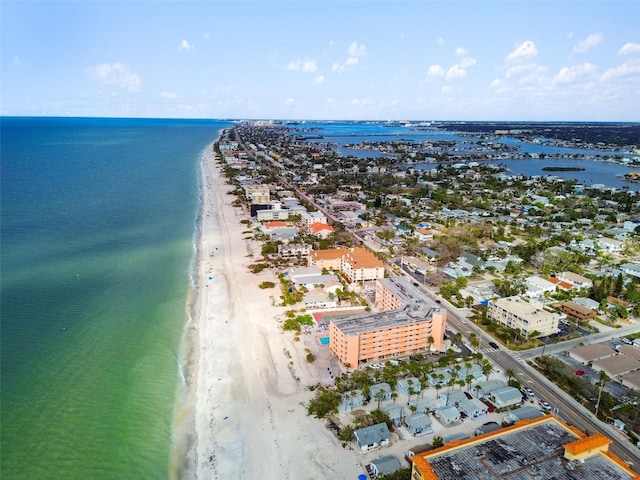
x=565, y=406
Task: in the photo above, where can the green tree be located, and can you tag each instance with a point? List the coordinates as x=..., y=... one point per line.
x=325, y=402
x=437, y=442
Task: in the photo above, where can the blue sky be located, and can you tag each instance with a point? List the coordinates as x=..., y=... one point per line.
x=386, y=60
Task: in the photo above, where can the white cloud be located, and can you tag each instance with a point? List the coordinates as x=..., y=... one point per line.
x=309, y=65
x=186, y=46
x=289, y=101
x=169, y=95
x=460, y=52
x=455, y=72
x=337, y=67
x=357, y=50
x=306, y=65
x=440, y=41
x=571, y=74
x=525, y=50
x=435, y=71
x=627, y=69
x=588, y=43
x=467, y=62
x=447, y=89
x=319, y=80
x=520, y=69
x=116, y=74
x=351, y=61
x=629, y=49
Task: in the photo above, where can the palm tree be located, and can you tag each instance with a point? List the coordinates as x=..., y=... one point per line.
x=604, y=378
x=510, y=374
x=487, y=368
x=379, y=396
x=410, y=389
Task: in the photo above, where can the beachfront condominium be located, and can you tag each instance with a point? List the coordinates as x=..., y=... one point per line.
x=544, y=447
x=528, y=316
x=408, y=322
x=355, y=264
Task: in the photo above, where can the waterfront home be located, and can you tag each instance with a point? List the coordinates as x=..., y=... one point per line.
x=448, y=415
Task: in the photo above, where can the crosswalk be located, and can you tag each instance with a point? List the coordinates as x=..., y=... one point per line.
x=516, y=356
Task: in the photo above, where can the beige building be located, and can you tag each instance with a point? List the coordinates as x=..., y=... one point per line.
x=409, y=323
x=257, y=193
x=523, y=315
x=356, y=264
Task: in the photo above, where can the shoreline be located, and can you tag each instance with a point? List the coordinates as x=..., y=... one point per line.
x=243, y=414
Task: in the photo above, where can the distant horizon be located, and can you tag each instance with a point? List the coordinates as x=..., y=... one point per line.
x=459, y=59
x=318, y=120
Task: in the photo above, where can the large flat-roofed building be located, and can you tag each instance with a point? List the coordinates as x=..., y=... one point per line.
x=540, y=448
x=526, y=316
x=410, y=322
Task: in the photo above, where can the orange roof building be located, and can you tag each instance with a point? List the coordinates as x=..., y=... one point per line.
x=544, y=447
x=356, y=264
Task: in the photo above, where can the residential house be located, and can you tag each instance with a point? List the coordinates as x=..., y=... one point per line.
x=448, y=416
x=578, y=311
x=395, y=413
x=505, y=397
x=423, y=404
x=418, y=424
x=381, y=390
x=409, y=383
x=385, y=465
x=352, y=399
x=473, y=408
x=321, y=230
x=374, y=436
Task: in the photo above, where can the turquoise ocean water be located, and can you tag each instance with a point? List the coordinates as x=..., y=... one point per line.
x=98, y=220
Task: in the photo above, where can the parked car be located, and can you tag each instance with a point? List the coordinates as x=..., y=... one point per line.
x=544, y=404
x=580, y=372
x=528, y=392
x=626, y=340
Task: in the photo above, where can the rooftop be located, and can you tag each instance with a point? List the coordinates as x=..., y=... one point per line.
x=529, y=449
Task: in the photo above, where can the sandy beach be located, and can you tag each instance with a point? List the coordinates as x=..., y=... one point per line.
x=248, y=381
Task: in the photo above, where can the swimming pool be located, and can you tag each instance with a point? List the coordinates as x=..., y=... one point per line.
x=324, y=340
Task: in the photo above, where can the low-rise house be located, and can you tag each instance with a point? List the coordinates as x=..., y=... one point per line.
x=418, y=424
x=321, y=230
x=385, y=465
x=505, y=397
x=586, y=354
x=574, y=279
x=537, y=287
x=318, y=298
x=352, y=399
x=380, y=391
x=481, y=389
x=616, y=365
x=473, y=408
x=452, y=397
x=578, y=311
x=448, y=415
x=294, y=250
x=526, y=412
x=395, y=412
x=404, y=384
x=375, y=436
x=631, y=269
x=423, y=405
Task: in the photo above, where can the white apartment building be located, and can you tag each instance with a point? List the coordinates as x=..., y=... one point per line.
x=526, y=316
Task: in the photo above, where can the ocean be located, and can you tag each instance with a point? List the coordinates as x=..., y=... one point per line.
x=98, y=224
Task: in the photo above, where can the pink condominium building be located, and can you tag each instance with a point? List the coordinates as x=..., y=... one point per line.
x=409, y=322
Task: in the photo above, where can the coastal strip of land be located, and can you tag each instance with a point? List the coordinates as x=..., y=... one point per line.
x=249, y=381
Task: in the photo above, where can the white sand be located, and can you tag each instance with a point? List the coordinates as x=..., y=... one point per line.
x=250, y=384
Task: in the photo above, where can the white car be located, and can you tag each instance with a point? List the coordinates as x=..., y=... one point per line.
x=544, y=404
x=528, y=392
